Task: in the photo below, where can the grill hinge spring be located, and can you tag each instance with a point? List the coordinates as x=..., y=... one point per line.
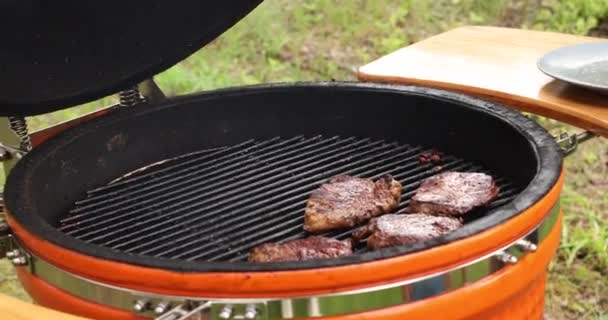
x=130, y=97
x=19, y=125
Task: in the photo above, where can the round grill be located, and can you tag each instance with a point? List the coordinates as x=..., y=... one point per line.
x=191, y=184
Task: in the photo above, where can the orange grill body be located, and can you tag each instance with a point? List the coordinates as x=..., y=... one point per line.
x=515, y=292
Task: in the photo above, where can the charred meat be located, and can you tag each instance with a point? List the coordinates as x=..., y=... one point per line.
x=405, y=229
x=429, y=156
x=345, y=202
x=453, y=193
x=314, y=247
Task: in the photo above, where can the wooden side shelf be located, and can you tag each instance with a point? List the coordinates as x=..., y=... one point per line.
x=496, y=63
x=14, y=309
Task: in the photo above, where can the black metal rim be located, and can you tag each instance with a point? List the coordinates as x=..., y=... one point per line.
x=548, y=155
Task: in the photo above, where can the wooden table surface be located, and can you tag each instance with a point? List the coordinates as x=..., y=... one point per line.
x=496, y=63
x=14, y=309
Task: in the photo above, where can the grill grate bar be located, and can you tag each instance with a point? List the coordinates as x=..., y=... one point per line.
x=246, y=194
x=299, y=233
x=215, y=205
x=275, y=198
x=276, y=231
x=102, y=192
x=296, y=215
x=235, y=217
x=215, y=180
x=291, y=230
x=176, y=193
x=226, y=163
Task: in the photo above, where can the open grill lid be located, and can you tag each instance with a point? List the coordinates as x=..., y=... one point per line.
x=56, y=54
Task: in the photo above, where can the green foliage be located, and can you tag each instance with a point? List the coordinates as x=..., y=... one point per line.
x=571, y=16
x=440, y=15
x=577, y=286
x=9, y=283
x=585, y=236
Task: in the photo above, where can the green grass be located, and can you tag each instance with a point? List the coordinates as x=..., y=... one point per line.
x=571, y=16
x=577, y=285
x=302, y=40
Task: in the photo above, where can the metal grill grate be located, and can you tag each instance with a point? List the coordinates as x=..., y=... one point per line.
x=215, y=205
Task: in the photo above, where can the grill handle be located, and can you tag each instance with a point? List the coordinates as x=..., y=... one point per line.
x=187, y=311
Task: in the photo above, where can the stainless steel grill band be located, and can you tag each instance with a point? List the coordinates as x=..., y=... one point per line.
x=153, y=305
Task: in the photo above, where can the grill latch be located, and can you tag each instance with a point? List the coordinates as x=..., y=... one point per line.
x=569, y=142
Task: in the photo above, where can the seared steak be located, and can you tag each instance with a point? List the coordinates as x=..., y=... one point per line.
x=429, y=156
x=344, y=202
x=313, y=247
x=403, y=229
x=453, y=193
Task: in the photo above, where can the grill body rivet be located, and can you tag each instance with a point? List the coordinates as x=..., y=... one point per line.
x=140, y=305
x=13, y=253
x=3, y=226
x=526, y=245
x=4, y=154
x=226, y=312
x=19, y=261
x=507, y=258
x=250, y=312
x=161, y=307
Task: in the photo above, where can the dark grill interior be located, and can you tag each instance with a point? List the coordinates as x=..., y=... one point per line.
x=215, y=205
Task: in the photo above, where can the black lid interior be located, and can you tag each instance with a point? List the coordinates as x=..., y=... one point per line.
x=56, y=54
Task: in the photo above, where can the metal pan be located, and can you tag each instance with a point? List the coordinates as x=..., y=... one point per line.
x=584, y=65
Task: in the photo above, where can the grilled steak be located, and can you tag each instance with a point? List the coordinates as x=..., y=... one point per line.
x=403, y=229
x=313, y=247
x=453, y=193
x=429, y=156
x=344, y=202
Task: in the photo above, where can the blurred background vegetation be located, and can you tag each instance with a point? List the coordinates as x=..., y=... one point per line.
x=300, y=40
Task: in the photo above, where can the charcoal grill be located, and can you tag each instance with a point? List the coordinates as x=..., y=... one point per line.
x=196, y=211
x=148, y=209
